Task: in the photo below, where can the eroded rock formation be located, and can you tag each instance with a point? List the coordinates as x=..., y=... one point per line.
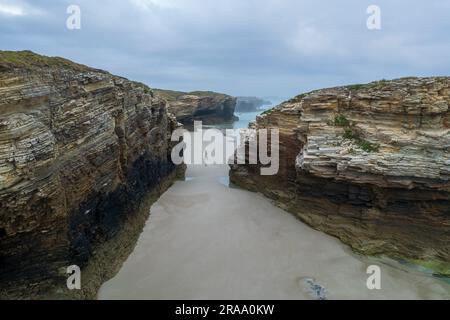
x=369, y=164
x=208, y=107
x=82, y=155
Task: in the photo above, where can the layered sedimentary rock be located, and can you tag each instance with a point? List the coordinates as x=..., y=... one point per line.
x=209, y=107
x=81, y=152
x=369, y=164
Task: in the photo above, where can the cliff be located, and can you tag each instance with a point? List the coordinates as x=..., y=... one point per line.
x=251, y=104
x=83, y=154
x=368, y=164
x=206, y=106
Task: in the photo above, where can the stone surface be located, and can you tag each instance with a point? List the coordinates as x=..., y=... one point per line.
x=81, y=150
x=209, y=107
x=368, y=164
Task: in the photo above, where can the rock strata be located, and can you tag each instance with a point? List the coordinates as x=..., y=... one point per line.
x=209, y=107
x=368, y=164
x=82, y=153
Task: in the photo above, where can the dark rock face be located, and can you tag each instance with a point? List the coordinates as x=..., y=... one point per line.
x=367, y=164
x=250, y=104
x=209, y=109
x=81, y=152
x=106, y=212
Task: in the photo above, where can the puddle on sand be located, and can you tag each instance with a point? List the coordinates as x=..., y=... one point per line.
x=204, y=240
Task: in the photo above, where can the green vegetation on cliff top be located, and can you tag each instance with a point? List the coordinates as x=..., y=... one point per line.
x=31, y=60
x=207, y=94
x=171, y=95
x=371, y=85
x=352, y=87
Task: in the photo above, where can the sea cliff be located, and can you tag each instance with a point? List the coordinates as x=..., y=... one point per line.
x=209, y=107
x=368, y=164
x=83, y=154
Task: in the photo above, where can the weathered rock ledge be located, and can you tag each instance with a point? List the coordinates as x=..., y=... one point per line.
x=369, y=164
x=83, y=154
x=209, y=107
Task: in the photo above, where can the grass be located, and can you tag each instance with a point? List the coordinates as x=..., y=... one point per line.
x=147, y=89
x=368, y=146
x=351, y=133
x=351, y=87
x=372, y=85
x=31, y=60
x=267, y=111
x=207, y=94
x=298, y=98
x=340, y=121
x=356, y=86
x=437, y=267
x=171, y=95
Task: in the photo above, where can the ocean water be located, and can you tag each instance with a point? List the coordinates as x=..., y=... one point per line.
x=244, y=119
x=207, y=240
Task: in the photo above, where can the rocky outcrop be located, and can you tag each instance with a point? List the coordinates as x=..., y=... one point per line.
x=368, y=164
x=251, y=104
x=209, y=107
x=83, y=154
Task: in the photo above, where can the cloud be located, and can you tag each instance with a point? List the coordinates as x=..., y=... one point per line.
x=18, y=9
x=151, y=4
x=309, y=41
x=11, y=10
x=251, y=47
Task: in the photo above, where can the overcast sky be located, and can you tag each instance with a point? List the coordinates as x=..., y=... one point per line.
x=240, y=47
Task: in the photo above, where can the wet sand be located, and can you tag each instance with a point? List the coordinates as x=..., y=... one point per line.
x=205, y=240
